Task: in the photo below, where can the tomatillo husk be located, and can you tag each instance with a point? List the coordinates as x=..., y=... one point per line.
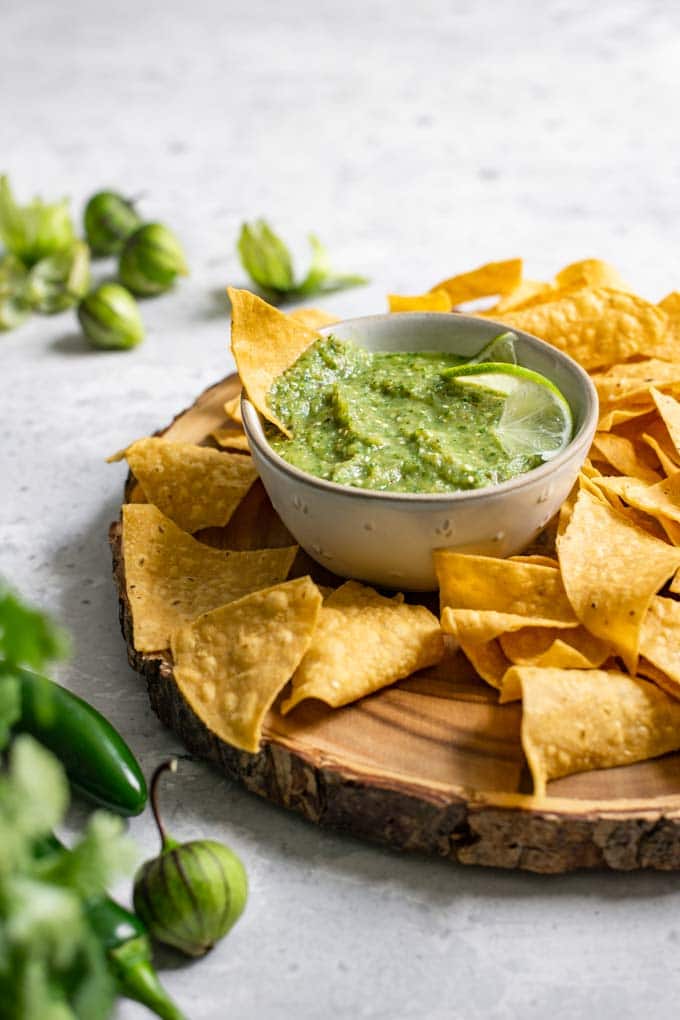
x=151, y=260
x=33, y=231
x=60, y=281
x=110, y=318
x=192, y=893
x=109, y=220
x=14, y=304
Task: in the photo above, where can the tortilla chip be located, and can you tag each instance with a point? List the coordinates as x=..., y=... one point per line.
x=625, y=456
x=195, y=486
x=538, y=558
x=232, y=408
x=435, y=301
x=657, y=438
x=486, y=657
x=671, y=530
x=313, y=318
x=575, y=648
x=577, y=720
x=264, y=342
x=171, y=578
x=669, y=409
x=596, y=327
x=659, y=500
x=364, y=641
x=231, y=663
x=671, y=303
x=528, y=293
x=491, y=278
x=489, y=662
x=590, y=273
x=477, y=626
x=628, y=386
x=529, y=591
x=622, y=416
x=671, y=306
x=649, y=672
x=550, y=649
x=231, y=439
x=611, y=570
x=660, y=639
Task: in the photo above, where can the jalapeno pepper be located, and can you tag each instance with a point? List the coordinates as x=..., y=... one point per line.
x=98, y=762
x=129, y=954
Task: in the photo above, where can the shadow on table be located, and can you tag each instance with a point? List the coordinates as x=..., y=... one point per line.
x=73, y=342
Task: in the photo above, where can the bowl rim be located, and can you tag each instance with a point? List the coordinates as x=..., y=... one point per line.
x=252, y=425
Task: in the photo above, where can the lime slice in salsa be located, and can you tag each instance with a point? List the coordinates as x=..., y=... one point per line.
x=536, y=419
x=501, y=348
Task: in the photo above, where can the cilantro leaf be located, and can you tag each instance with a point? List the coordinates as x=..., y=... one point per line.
x=52, y=965
x=27, y=636
x=88, y=867
x=34, y=796
x=10, y=707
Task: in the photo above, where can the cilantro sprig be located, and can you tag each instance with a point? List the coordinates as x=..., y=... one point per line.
x=52, y=965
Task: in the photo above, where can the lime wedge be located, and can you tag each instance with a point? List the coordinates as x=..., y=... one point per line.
x=501, y=348
x=536, y=418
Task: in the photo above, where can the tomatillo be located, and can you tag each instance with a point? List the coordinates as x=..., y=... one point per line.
x=109, y=219
x=151, y=260
x=192, y=893
x=110, y=318
x=59, y=281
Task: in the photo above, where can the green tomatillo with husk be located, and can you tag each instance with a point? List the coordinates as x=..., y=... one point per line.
x=109, y=219
x=151, y=260
x=193, y=893
x=110, y=318
x=33, y=231
x=59, y=281
x=14, y=304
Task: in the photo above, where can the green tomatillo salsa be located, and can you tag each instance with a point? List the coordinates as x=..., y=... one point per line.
x=403, y=422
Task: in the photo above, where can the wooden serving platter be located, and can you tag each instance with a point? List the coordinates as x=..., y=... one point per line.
x=433, y=763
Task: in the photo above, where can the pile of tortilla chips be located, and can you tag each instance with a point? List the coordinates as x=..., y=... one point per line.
x=237, y=629
x=584, y=628
x=587, y=633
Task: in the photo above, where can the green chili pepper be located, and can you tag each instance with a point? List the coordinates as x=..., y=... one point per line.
x=128, y=948
x=98, y=762
x=129, y=953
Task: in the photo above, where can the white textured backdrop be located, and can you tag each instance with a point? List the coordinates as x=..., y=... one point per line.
x=416, y=143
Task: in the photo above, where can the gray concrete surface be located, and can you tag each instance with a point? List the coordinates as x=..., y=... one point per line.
x=417, y=141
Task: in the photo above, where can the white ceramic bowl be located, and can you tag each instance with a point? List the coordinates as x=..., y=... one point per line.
x=387, y=538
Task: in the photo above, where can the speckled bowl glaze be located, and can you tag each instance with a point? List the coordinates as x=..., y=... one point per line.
x=387, y=538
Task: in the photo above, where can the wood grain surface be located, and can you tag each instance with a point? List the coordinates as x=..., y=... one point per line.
x=433, y=763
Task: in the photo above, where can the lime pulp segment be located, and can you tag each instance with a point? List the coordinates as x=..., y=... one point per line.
x=536, y=419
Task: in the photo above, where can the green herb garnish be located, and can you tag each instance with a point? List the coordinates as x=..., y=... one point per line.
x=27, y=636
x=52, y=965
